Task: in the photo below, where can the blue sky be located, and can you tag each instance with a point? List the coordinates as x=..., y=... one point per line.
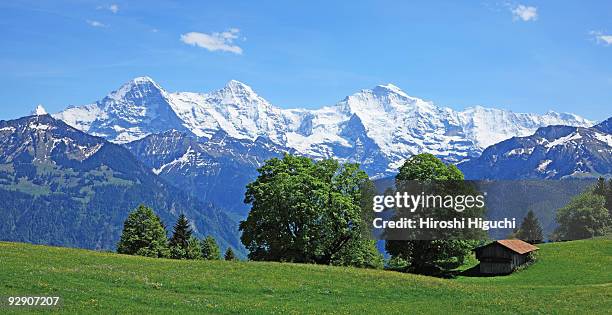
x=523, y=56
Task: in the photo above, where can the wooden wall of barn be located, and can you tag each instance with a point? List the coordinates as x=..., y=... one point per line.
x=494, y=251
x=495, y=267
x=499, y=260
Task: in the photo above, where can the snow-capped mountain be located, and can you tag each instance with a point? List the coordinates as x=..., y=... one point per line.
x=377, y=128
x=42, y=139
x=235, y=109
x=552, y=152
x=137, y=109
x=39, y=110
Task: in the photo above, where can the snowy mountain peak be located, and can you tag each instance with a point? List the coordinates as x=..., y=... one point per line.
x=138, y=108
x=386, y=98
x=143, y=79
x=389, y=88
x=565, y=116
x=39, y=110
x=137, y=88
x=238, y=88
x=378, y=127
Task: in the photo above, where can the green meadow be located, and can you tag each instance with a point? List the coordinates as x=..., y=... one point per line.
x=570, y=277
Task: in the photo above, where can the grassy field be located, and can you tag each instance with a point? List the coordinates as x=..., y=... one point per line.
x=572, y=277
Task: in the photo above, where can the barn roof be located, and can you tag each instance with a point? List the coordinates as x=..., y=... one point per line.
x=517, y=246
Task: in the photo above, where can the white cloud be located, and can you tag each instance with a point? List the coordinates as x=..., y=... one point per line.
x=223, y=41
x=605, y=38
x=525, y=13
x=95, y=23
x=113, y=8
x=601, y=38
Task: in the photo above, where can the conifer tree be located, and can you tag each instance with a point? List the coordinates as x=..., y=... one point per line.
x=210, y=249
x=194, y=250
x=604, y=189
x=530, y=230
x=179, y=243
x=600, y=187
x=608, y=197
x=229, y=254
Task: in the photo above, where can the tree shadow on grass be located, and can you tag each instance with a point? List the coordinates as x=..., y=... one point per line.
x=475, y=272
x=447, y=273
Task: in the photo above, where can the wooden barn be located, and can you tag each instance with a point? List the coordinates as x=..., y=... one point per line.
x=504, y=256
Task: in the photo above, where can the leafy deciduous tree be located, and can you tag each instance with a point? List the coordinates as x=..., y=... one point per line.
x=305, y=211
x=585, y=216
x=143, y=234
x=428, y=256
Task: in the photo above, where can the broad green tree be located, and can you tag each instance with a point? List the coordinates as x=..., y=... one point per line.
x=584, y=217
x=430, y=256
x=359, y=253
x=425, y=166
x=307, y=212
x=530, y=230
x=210, y=249
x=143, y=234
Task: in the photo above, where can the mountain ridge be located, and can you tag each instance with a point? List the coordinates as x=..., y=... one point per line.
x=392, y=125
x=551, y=152
x=61, y=186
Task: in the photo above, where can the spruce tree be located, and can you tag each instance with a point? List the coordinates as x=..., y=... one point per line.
x=210, y=249
x=229, y=254
x=608, y=197
x=143, y=234
x=179, y=243
x=530, y=230
x=603, y=188
x=194, y=250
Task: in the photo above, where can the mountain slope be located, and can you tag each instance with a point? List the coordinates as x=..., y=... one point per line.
x=552, y=152
x=216, y=170
x=377, y=128
x=61, y=186
x=568, y=278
